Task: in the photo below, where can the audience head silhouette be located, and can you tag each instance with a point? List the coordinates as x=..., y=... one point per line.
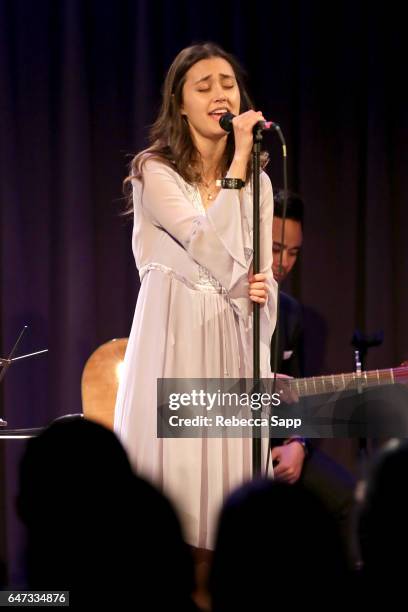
x=93, y=527
x=383, y=515
x=273, y=539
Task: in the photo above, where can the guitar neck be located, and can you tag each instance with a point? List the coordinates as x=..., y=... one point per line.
x=334, y=383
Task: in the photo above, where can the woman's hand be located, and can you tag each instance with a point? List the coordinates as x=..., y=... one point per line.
x=257, y=288
x=243, y=134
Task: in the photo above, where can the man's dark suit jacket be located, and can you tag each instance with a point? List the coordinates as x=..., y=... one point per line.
x=290, y=340
x=290, y=351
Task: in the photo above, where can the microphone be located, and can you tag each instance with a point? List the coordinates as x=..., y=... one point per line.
x=226, y=123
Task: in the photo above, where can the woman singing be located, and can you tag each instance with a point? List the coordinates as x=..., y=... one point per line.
x=192, y=242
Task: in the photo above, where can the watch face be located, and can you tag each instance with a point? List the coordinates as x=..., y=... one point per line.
x=232, y=183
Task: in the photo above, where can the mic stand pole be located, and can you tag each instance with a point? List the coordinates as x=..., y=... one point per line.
x=256, y=168
x=361, y=343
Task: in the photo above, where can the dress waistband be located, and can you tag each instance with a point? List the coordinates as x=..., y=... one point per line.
x=206, y=285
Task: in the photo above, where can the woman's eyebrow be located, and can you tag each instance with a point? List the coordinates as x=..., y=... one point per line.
x=223, y=76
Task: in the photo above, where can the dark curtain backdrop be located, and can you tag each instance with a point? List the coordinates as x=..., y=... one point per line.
x=79, y=84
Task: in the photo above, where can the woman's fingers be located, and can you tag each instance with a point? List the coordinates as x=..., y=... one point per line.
x=246, y=121
x=257, y=298
x=257, y=277
x=243, y=132
x=257, y=288
x=258, y=292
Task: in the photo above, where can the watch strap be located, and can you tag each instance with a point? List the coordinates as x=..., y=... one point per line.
x=230, y=183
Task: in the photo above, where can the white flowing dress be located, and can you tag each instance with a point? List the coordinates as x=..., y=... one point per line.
x=193, y=319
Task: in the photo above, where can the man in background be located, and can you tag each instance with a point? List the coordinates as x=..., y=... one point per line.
x=290, y=353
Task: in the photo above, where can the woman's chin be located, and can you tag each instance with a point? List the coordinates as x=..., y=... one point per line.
x=213, y=135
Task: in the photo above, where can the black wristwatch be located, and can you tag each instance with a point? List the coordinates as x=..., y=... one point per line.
x=230, y=183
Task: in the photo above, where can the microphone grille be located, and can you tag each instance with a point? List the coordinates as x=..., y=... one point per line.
x=226, y=122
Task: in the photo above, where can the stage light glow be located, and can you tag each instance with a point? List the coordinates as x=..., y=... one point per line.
x=119, y=370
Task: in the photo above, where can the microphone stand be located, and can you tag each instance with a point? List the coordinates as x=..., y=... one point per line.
x=277, y=325
x=361, y=343
x=256, y=168
x=226, y=124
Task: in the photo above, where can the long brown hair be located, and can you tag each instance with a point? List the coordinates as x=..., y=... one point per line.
x=170, y=137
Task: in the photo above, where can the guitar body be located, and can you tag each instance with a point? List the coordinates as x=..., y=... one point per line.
x=100, y=381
